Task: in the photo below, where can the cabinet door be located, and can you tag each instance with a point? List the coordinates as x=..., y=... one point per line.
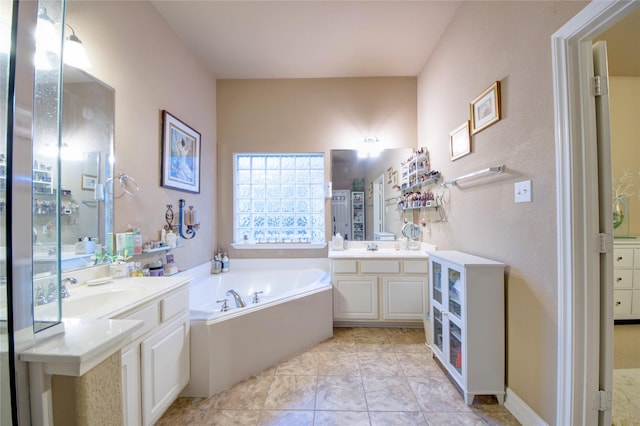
x=355, y=297
x=623, y=258
x=404, y=298
x=622, y=302
x=165, y=368
x=130, y=360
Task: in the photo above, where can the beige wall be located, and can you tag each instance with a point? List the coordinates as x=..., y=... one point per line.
x=509, y=42
x=306, y=115
x=624, y=95
x=133, y=50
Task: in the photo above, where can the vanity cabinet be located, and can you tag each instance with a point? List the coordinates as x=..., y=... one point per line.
x=626, y=279
x=155, y=366
x=467, y=321
x=379, y=290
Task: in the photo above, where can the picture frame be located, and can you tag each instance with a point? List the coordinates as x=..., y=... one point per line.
x=394, y=178
x=389, y=174
x=180, y=155
x=89, y=182
x=485, y=109
x=459, y=142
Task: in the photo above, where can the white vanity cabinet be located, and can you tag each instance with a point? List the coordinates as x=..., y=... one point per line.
x=155, y=366
x=467, y=321
x=379, y=290
x=626, y=279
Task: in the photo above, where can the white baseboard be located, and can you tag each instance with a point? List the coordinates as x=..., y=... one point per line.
x=521, y=411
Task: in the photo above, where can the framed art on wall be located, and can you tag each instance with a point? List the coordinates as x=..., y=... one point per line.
x=89, y=182
x=485, y=109
x=180, y=155
x=459, y=142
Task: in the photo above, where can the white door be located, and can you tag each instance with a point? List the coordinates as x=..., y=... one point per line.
x=605, y=378
x=341, y=213
x=378, y=205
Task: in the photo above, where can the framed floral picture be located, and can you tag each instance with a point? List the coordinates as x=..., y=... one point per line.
x=389, y=174
x=89, y=182
x=485, y=109
x=180, y=155
x=459, y=142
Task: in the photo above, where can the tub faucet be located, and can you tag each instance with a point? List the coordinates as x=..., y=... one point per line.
x=238, y=299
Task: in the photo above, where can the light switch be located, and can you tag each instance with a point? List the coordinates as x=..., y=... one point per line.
x=523, y=191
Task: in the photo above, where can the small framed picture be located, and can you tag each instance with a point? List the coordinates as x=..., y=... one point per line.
x=89, y=182
x=180, y=155
x=389, y=174
x=394, y=178
x=485, y=109
x=459, y=142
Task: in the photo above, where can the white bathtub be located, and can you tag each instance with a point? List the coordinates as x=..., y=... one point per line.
x=294, y=313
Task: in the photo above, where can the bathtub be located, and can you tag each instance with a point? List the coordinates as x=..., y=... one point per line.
x=294, y=313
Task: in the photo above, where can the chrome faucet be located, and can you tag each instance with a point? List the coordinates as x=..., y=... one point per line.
x=238, y=299
x=372, y=247
x=64, y=292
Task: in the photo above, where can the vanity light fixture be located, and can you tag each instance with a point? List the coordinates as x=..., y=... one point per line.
x=371, y=148
x=74, y=53
x=45, y=40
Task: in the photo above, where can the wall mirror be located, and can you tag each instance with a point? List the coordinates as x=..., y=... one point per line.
x=364, y=200
x=83, y=208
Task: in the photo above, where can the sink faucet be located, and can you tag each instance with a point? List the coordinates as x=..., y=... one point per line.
x=238, y=299
x=372, y=247
x=64, y=292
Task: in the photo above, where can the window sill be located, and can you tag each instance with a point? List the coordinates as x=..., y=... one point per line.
x=276, y=246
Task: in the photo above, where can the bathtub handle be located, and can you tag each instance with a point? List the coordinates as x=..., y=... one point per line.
x=225, y=305
x=255, y=296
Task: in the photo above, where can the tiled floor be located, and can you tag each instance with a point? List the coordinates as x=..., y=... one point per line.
x=361, y=376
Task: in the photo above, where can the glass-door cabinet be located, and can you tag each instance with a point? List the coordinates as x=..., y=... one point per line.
x=467, y=311
x=448, y=329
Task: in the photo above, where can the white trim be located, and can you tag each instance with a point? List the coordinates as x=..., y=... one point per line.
x=275, y=246
x=521, y=411
x=576, y=219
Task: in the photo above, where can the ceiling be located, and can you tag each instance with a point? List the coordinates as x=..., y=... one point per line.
x=309, y=39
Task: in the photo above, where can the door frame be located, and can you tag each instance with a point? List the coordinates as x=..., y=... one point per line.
x=577, y=210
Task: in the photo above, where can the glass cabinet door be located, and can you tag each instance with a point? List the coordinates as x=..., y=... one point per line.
x=455, y=346
x=437, y=328
x=455, y=293
x=437, y=285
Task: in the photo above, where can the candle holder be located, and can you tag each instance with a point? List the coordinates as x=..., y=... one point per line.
x=187, y=218
x=168, y=217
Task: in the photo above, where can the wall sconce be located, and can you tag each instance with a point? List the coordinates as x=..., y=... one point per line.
x=74, y=53
x=188, y=218
x=371, y=148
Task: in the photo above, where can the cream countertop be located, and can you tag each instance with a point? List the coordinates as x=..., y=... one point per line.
x=386, y=250
x=90, y=336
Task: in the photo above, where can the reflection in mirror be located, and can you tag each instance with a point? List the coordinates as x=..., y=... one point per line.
x=88, y=114
x=364, y=202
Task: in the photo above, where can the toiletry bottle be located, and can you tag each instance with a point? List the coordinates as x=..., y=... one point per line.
x=345, y=243
x=137, y=242
x=225, y=263
x=171, y=239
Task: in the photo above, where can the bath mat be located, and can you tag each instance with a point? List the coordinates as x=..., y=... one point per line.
x=626, y=397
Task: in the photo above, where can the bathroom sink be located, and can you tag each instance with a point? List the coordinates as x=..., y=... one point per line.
x=96, y=302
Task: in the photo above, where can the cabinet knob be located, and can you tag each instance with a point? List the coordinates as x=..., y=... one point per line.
x=619, y=258
x=618, y=303
x=619, y=279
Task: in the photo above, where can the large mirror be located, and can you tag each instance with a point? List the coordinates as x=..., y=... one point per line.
x=83, y=208
x=364, y=200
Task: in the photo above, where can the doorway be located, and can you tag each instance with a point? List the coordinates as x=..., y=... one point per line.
x=580, y=239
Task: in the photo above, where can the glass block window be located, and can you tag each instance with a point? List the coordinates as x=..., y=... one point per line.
x=279, y=198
